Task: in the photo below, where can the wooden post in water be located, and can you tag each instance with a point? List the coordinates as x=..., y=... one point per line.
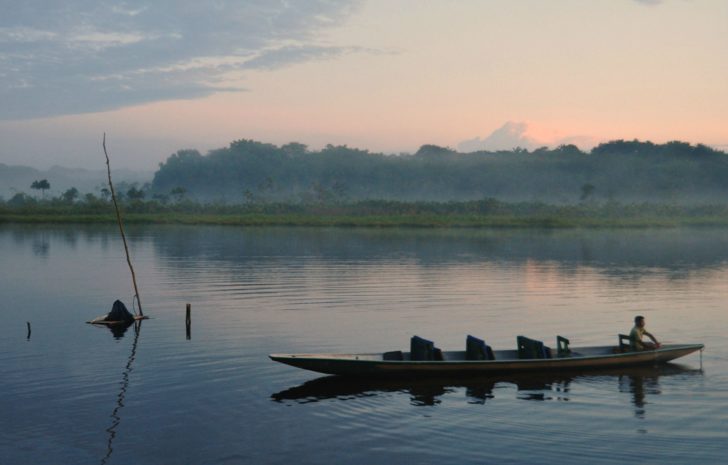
x=188, y=321
x=28, y=322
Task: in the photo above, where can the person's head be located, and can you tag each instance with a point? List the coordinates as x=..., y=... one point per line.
x=639, y=320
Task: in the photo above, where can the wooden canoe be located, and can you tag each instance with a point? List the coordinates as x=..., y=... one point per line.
x=506, y=361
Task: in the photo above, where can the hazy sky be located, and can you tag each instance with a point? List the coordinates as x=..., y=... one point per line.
x=384, y=75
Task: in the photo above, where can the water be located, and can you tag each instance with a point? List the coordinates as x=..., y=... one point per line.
x=74, y=393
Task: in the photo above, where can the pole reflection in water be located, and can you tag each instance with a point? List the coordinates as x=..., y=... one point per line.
x=638, y=381
x=115, y=414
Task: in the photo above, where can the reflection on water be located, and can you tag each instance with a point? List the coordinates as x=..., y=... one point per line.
x=264, y=290
x=116, y=413
x=641, y=385
x=117, y=330
x=41, y=246
x=619, y=251
x=637, y=381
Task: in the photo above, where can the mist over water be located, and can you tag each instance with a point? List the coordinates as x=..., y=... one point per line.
x=81, y=395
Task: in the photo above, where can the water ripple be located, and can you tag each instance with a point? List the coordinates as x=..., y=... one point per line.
x=215, y=397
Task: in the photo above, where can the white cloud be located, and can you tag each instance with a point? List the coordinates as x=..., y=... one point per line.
x=283, y=56
x=125, y=10
x=80, y=56
x=97, y=41
x=25, y=34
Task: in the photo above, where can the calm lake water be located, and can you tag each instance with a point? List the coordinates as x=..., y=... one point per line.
x=76, y=394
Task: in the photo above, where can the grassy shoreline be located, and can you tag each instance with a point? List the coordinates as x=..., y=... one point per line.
x=413, y=220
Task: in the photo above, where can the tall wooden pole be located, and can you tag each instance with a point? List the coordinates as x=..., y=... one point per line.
x=121, y=229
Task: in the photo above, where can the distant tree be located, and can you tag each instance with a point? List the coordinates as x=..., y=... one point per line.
x=677, y=147
x=587, y=190
x=161, y=198
x=178, y=193
x=702, y=149
x=489, y=205
x=41, y=185
x=70, y=195
x=20, y=199
x=266, y=184
x=321, y=193
x=294, y=148
x=430, y=150
x=135, y=194
x=623, y=147
x=339, y=189
x=568, y=149
x=249, y=196
x=105, y=194
x=90, y=198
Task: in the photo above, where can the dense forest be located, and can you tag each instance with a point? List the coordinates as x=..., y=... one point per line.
x=616, y=184
x=619, y=171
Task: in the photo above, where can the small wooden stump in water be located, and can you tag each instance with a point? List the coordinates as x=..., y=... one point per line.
x=28, y=330
x=188, y=322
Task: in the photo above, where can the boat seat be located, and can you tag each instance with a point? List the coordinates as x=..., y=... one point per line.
x=477, y=349
x=531, y=348
x=624, y=343
x=422, y=349
x=393, y=355
x=562, y=347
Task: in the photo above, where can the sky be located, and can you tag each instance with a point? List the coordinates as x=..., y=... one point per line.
x=383, y=75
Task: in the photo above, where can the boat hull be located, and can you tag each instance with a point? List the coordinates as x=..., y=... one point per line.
x=373, y=365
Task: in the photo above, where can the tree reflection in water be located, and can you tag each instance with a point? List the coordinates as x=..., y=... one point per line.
x=115, y=414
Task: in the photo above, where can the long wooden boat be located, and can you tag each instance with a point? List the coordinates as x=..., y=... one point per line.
x=505, y=361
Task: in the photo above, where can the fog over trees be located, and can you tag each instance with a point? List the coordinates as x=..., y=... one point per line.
x=20, y=179
x=621, y=171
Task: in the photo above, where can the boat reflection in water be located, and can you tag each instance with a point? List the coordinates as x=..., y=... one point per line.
x=638, y=381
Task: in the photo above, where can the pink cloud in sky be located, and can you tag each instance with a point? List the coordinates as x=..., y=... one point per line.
x=524, y=135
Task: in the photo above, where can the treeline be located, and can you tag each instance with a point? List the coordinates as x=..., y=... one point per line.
x=19, y=179
x=253, y=172
x=130, y=193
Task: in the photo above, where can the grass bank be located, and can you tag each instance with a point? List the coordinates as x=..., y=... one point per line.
x=380, y=220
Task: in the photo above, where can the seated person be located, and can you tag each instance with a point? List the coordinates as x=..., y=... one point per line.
x=635, y=336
